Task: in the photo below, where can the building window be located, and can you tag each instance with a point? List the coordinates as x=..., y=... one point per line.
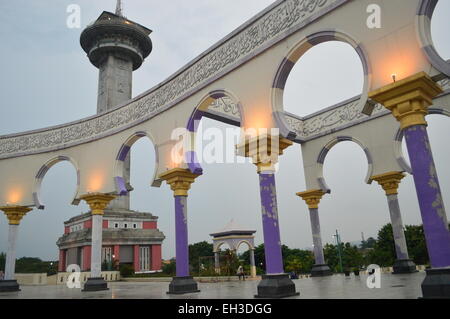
x=116, y=225
x=134, y=226
x=144, y=260
x=125, y=225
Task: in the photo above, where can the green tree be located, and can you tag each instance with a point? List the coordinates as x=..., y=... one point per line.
x=417, y=247
x=293, y=264
x=369, y=243
x=197, y=250
x=35, y=265
x=230, y=262
x=126, y=270
x=332, y=257
x=170, y=268
x=352, y=257
x=260, y=259
x=383, y=252
x=305, y=258
x=298, y=259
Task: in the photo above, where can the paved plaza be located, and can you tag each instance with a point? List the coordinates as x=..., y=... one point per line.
x=334, y=287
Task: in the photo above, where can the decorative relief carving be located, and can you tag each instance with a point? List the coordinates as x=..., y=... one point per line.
x=295, y=124
x=332, y=119
x=226, y=105
x=276, y=21
x=346, y=114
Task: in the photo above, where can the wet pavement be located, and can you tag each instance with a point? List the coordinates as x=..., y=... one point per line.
x=405, y=286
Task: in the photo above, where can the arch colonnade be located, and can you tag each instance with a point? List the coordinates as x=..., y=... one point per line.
x=243, y=63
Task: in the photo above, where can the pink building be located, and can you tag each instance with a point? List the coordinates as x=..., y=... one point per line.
x=128, y=238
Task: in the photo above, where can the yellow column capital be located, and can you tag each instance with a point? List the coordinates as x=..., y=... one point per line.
x=408, y=99
x=312, y=197
x=389, y=181
x=97, y=202
x=180, y=180
x=15, y=213
x=263, y=150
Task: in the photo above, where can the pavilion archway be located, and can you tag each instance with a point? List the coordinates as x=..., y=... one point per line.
x=234, y=236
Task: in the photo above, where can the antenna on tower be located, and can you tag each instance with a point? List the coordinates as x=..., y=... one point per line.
x=119, y=8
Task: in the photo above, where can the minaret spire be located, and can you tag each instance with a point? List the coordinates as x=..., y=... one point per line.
x=119, y=8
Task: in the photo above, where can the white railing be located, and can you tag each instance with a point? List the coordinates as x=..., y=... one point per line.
x=31, y=279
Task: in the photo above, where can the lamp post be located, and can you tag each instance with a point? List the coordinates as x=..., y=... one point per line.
x=338, y=243
x=112, y=261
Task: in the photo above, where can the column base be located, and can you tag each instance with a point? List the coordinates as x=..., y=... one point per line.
x=404, y=266
x=436, y=284
x=321, y=270
x=95, y=284
x=276, y=286
x=253, y=271
x=182, y=285
x=9, y=286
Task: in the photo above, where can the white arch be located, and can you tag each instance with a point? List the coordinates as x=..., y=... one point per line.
x=43, y=171
x=123, y=152
x=324, y=151
x=196, y=116
x=295, y=53
x=250, y=246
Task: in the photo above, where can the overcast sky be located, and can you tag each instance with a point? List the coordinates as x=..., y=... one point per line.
x=47, y=80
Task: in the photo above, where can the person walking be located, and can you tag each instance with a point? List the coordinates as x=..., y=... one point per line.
x=240, y=273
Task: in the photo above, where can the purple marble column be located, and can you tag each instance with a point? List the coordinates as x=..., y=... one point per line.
x=317, y=238
x=401, y=247
x=271, y=228
x=181, y=236
x=432, y=209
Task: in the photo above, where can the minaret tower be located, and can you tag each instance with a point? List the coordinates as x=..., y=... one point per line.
x=116, y=46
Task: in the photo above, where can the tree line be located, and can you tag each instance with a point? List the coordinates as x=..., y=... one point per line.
x=380, y=251
x=31, y=265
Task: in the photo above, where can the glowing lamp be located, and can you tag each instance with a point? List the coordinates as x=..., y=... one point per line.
x=95, y=183
x=14, y=196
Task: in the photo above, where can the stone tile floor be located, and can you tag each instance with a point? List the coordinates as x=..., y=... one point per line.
x=334, y=287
